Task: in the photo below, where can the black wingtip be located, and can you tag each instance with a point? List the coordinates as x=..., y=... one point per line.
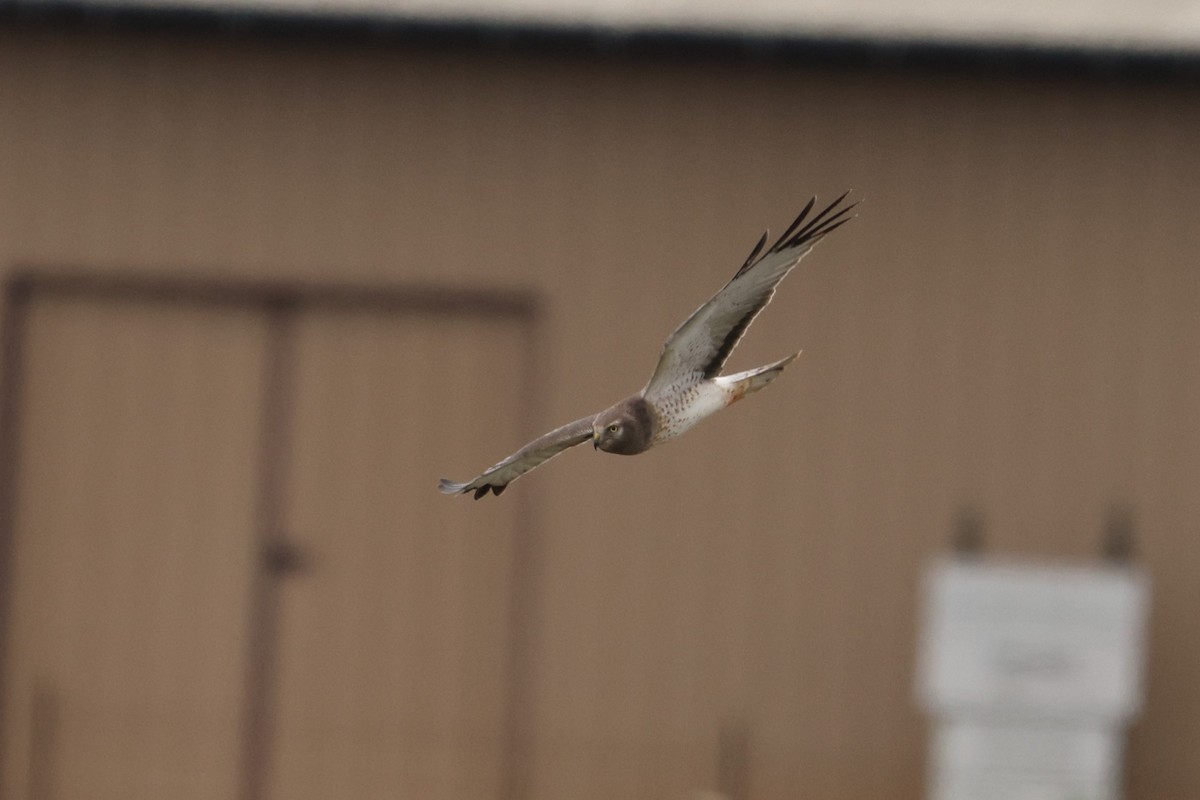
x=796, y=222
x=754, y=253
x=819, y=225
x=450, y=487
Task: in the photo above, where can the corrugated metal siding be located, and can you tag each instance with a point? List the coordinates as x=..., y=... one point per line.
x=1009, y=325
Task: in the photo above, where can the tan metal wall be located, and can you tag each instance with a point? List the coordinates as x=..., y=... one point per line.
x=1010, y=324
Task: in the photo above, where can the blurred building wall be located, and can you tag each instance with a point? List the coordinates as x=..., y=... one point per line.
x=1010, y=325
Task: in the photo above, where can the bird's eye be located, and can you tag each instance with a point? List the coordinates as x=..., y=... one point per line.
x=614, y=428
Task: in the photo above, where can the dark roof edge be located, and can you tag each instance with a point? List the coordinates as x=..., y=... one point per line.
x=944, y=56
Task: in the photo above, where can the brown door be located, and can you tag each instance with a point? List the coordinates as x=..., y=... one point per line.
x=135, y=502
x=394, y=639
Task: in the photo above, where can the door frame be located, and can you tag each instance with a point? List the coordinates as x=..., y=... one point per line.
x=279, y=301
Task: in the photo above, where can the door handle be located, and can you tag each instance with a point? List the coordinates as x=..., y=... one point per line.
x=283, y=558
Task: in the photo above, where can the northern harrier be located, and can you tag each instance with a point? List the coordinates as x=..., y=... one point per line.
x=686, y=385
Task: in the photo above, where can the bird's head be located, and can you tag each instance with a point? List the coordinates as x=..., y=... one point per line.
x=625, y=429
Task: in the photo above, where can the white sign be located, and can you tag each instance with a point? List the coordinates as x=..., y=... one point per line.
x=1060, y=642
x=980, y=760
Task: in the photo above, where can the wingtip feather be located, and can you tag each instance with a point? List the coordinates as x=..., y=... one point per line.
x=791, y=229
x=820, y=225
x=450, y=487
x=754, y=253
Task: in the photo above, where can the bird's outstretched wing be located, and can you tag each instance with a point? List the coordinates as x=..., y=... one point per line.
x=700, y=346
x=497, y=477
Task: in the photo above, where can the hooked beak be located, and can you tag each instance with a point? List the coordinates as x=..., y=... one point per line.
x=595, y=440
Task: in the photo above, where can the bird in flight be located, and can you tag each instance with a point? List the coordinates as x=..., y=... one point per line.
x=687, y=385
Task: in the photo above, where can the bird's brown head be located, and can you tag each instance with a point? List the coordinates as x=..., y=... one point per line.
x=626, y=429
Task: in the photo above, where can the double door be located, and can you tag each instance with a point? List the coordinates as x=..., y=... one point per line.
x=227, y=571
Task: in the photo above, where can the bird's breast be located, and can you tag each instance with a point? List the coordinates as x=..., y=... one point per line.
x=678, y=408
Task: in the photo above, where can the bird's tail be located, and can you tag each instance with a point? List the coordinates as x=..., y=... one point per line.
x=750, y=381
